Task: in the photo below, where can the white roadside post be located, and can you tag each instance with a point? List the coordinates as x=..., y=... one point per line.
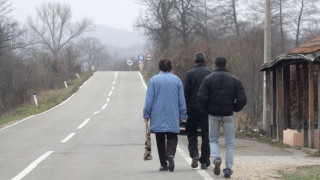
x=65, y=84
x=77, y=75
x=35, y=100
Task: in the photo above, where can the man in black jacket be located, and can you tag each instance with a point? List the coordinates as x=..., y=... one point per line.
x=196, y=118
x=221, y=94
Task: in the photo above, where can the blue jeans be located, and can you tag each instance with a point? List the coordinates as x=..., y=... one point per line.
x=227, y=123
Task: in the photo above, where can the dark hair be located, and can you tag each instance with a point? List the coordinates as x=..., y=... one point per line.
x=165, y=65
x=221, y=62
x=199, y=57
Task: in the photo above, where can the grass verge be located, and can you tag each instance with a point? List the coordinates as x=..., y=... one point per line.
x=302, y=173
x=46, y=100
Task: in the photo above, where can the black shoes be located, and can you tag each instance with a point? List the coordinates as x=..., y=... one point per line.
x=163, y=168
x=227, y=173
x=194, y=163
x=171, y=163
x=204, y=166
x=217, y=164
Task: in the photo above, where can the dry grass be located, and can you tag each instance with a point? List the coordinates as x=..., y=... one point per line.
x=46, y=99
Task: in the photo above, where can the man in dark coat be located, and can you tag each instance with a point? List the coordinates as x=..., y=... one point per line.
x=221, y=94
x=196, y=118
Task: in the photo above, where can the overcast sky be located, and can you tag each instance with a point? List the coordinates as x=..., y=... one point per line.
x=120, y=14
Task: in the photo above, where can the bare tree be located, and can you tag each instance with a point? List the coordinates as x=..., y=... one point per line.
x=11, y=33
x=92, y=51
x=186, y=13
x=53, y=26
x=306, y=13
x=226, y=14
x=156, y=21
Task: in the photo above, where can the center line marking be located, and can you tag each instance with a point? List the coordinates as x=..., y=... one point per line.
x=84, y=123
x=33, y=165
x=108, y=99
x=110, y=93
x=96, y=113
x=114, y=82
x=104, y=107
x=112, y=88
x=68, y=138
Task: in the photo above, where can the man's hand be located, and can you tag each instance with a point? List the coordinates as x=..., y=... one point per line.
x=181, y=120
x=146, y=120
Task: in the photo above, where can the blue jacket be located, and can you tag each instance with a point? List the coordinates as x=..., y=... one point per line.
x=165, y=103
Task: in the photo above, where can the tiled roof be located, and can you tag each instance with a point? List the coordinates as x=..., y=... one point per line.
x=308, y=51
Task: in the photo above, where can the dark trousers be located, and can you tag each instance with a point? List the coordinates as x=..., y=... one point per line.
x=195, y=120
x=167, y=145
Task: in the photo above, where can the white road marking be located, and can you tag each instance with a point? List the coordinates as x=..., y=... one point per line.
x=112, y=88
x=17, y=122
x=104, y=106
x=144, y=84
x=33, y=165
x=84, y=123
x=202, y=173
x=68, y=138
x=114, y=82
x=108, y=99
x=96, y=113
x=110, y=93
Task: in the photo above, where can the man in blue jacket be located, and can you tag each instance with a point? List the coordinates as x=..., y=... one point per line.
x=221, y=94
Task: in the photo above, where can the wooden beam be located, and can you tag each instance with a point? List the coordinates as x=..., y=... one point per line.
x=268, y=103
x=280, y=119
x=319, y=108
x=305, y=111
x=311, y=106
x=286, y=94
x=274, y=103
x=298, y=96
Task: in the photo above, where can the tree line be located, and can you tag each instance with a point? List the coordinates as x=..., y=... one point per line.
x=232, y=28
x=47, y=50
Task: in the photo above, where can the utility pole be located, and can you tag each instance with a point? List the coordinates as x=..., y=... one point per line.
x=267, y=57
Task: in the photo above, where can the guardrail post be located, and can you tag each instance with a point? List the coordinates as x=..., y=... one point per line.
x=35, y=100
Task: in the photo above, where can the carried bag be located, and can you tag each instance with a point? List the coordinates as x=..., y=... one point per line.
x=147, y=147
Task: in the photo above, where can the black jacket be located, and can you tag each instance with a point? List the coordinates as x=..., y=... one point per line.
x=221, y=94
x=192, y=82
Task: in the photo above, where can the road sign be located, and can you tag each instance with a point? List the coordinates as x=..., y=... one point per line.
x=148, y=57
x=140, y=57
x=130, y=62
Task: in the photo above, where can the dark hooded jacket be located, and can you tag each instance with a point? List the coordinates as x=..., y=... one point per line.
x=221, y=94
x=192, y=82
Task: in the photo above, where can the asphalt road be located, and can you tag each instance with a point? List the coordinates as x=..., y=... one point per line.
x=98, y=133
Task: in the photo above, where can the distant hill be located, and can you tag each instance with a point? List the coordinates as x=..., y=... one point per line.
x=120, y=42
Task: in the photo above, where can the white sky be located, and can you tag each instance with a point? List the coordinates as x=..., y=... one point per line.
x=120, y=14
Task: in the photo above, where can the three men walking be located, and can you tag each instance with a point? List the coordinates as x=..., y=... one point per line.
x=210, y=98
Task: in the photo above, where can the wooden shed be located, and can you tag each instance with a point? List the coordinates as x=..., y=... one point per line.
x=292, y=93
